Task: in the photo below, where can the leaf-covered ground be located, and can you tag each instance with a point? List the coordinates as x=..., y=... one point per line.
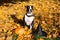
x=47, y=12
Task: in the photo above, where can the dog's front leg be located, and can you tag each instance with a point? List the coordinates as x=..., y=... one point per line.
x=30, y=27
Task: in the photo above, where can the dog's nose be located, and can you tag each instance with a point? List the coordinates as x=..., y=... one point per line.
x=30, y=10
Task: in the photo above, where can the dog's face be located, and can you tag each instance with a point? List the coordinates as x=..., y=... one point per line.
x=29, y=8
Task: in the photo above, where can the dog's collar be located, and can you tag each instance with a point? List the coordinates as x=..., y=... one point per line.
x=29, y=15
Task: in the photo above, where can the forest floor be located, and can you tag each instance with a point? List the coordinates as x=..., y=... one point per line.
x=46, y=12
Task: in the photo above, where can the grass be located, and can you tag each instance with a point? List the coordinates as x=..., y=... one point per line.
x=36, y=37
x=15, y=36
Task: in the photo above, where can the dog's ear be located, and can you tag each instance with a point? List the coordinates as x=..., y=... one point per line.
x=32, y=7
x=27, y=8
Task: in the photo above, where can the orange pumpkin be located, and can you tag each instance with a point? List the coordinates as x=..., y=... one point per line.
x=19, y=31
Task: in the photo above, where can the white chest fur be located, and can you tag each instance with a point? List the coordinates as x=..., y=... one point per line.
x=28, y=20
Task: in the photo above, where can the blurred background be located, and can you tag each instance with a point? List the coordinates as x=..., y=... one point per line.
x=47, y=12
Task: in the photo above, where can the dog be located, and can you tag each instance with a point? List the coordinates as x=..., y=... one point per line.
x=29, y=17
